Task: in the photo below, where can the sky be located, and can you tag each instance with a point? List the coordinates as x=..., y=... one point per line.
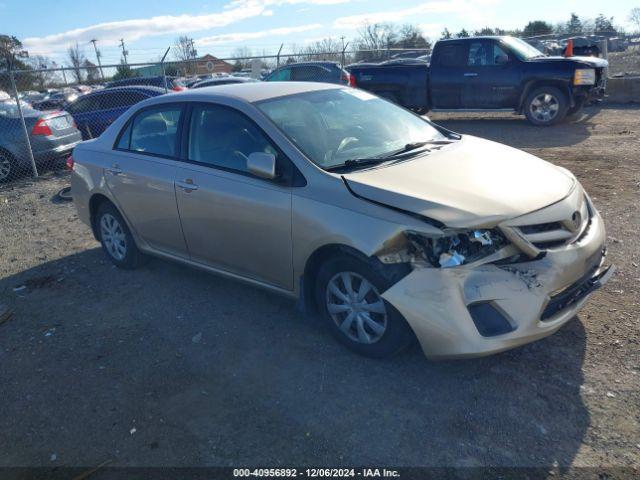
x=219, y=27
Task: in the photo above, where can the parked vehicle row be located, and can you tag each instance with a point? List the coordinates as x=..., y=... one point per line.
x=479, y=73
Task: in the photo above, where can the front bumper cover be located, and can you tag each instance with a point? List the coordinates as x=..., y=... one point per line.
x=536, y=297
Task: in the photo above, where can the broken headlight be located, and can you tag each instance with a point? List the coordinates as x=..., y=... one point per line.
x=451, y=250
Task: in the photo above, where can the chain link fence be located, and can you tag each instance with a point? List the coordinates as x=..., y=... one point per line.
x=45, y=113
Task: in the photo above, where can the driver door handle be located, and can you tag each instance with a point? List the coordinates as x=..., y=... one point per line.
x=187, y=185
x=470, y=74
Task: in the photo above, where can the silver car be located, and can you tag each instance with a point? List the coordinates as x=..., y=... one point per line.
x=389, y=226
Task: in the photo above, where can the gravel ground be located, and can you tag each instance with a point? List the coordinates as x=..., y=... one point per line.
x=167, y=366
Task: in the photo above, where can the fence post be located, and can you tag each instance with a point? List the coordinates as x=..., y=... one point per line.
x=278, y=56
x=24, y=125
x=164, y=76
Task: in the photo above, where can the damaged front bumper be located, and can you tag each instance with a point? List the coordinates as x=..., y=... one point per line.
x=479, y=310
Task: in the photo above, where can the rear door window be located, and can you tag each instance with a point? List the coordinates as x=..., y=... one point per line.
x=283, y=74
x=309, y=73
x=452, y=55
x=154, y=130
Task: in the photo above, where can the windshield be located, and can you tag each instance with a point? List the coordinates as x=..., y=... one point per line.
x=334, y=126
x=522, y=48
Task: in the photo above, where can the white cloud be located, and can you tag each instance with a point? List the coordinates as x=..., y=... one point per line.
x=431, y=30
x=110, y=33
x=474, y=10
x=242, y=36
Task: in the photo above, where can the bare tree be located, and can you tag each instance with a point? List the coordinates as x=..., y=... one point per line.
x=93, y=74
x=42, y=76
x=241, y=54
x=185, y=52
x=376, y=37
x=634, y=17
x=76, y=59
x=327, y=49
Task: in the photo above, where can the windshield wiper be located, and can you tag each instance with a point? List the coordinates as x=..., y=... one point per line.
x=356, y=162
x=400, y=153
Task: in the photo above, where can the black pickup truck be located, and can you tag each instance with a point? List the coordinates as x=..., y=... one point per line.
x=488, y=73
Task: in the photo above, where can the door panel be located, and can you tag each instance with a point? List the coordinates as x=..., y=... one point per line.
x=447, y=77
x=144, y=191
x=142, y=177
x=488, y=83
x=236, y=223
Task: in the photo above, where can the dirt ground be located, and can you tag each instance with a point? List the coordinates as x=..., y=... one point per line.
x=167, y=366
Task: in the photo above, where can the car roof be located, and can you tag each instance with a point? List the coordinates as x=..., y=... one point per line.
x=128, y=88
x=302, y=64
x=252, y=91
x=480, y=37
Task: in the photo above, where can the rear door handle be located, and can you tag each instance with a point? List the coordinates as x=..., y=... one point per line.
x=187, y=185
x=471, y=74
x=115, y=169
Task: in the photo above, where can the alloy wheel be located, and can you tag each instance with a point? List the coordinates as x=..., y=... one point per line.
x=5, y=168
x=544, y=107
x=113, y=236
x=357, y=308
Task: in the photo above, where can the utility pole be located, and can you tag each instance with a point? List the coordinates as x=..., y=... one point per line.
x=193, y=56
x=124, y=51
x=344, y=47
x=98, y=55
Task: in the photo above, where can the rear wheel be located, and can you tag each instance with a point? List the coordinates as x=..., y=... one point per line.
x=546, y=106
x=348, y=294
x=116, y=239
x=7, y=168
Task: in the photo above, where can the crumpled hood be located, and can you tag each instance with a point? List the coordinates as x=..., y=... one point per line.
x=594, y=62
x=469, y=183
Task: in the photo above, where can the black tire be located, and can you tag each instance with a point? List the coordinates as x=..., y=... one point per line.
x=397, y=334
x=7, y=168
x=579, y=104
x=558, y=98
x=132, y=257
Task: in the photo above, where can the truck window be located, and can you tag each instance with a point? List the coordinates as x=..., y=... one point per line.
x=452, y=55
x=484, y=54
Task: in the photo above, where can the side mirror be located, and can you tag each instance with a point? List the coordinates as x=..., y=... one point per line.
x=502, y=59
x=262, y=165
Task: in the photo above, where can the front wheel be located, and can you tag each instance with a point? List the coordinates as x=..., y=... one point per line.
x=546, y=106
x=348, y=294
x=579, y=104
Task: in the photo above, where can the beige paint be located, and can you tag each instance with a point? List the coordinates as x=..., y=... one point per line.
x=263, y=233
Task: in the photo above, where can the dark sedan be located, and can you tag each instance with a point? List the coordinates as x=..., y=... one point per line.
x=95, y=111
x=171, y=83
x=326, y=72
x=52, y=136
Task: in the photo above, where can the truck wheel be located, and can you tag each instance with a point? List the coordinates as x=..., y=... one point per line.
x=576, y=108
x=546, y=106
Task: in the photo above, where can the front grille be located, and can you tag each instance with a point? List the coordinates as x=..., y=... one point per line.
x=573, y=294
x=545, y=236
